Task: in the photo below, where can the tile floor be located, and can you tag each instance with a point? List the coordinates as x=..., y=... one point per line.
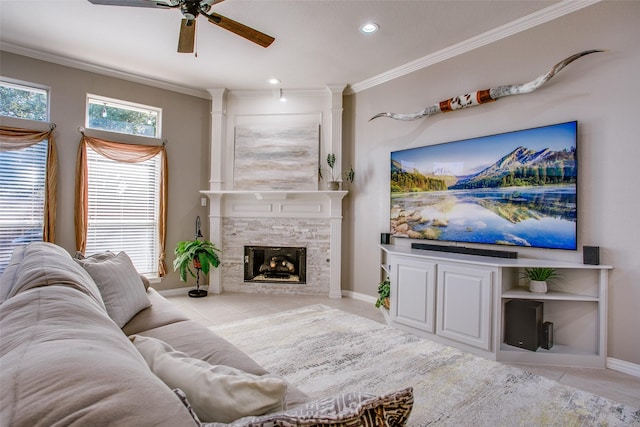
x=227, y=307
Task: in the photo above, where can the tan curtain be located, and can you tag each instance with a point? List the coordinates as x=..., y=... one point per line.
x=121, y=152
x=12, y=139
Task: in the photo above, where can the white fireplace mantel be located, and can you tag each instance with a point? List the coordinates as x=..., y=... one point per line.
x=276, y=194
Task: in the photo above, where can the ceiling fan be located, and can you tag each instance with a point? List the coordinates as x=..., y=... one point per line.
x=190, y=10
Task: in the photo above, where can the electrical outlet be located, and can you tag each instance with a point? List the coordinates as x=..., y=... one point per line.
x=203, y=201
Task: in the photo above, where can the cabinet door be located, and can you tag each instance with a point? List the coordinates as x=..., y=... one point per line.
x=464, y=304
x=413, y=294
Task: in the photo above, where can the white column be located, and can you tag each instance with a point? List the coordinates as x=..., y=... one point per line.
x=335, y=224
x=335, y=144
x=216, y=173
x=215, y=235
x=218, y=130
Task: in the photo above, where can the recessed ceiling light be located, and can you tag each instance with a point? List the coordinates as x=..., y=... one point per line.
x=274, y=81
x=370, y=27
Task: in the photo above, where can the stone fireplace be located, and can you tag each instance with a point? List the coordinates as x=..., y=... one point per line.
x=307, y=219
x=272, y=264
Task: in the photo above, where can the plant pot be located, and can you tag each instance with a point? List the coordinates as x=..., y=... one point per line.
x=387, y=303
x=197, y=293
x=333, y=185
x=538, y=286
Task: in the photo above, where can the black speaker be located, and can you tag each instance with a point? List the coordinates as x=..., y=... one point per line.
x=523, y=323
x=385, y=238
x=465, y=250
x=547, y=335
x=591, y=255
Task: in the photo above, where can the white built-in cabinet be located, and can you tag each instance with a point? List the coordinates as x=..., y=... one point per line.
x=459, y=300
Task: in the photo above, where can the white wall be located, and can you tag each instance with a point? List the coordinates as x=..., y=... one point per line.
x=601, y=91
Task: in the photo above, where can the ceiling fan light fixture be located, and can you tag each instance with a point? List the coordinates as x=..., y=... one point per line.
x=369, y=27
x=273, y=81
x=189, y=10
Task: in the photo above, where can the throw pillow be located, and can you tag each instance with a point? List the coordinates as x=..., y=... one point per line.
x=119, y=283
x=102, y=256
x=217, y=393
x=344, y=410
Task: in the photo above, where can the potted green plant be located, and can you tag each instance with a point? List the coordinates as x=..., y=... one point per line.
x=334, y=183
x=384, y=291
x=538, y=277
x=199, y=254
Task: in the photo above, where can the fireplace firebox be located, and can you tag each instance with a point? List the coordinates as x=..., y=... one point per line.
x=275, y=264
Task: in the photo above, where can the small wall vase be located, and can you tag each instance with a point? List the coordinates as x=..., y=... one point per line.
x=538, y=286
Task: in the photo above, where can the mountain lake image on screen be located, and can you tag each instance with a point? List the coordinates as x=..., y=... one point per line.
x=515, y=189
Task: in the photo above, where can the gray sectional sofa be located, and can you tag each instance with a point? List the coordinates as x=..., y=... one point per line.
x=86, y=343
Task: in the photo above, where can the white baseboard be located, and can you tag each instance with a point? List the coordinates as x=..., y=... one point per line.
x=623, y=366
x=359, y=296
x=174, y=292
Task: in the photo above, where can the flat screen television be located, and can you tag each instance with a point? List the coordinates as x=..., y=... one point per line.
x=515, y=189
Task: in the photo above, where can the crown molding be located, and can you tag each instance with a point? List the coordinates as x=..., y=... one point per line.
x=542, y=16
x=98, y=69
x=557, y=10
x=261, y=93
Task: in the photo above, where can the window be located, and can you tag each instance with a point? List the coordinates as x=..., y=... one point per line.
x=123, y=117
x=123, y=209
x=23, y=101
x=22, y=182
x=27, y=201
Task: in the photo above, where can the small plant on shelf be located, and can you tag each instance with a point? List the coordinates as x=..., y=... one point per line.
x=540, y=274
x=384, y=291
x=335, y=176
x=538, y=277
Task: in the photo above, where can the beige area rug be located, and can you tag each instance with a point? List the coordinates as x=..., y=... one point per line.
x=326, y=351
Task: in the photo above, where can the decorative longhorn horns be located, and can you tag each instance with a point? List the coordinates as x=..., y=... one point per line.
x=486, y=95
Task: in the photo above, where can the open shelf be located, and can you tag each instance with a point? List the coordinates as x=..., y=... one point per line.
x=556, y=349
x=523, y=293
x=386, y=268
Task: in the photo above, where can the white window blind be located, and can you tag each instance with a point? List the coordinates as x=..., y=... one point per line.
x=22, y=180
x=123, y=209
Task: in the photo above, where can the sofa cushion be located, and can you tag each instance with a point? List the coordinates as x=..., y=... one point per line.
x=216, y=392
x=161, y=312
x=41, y=264
x=120, y=285
x=199, y=342
x=345, y=410
x=65, y=362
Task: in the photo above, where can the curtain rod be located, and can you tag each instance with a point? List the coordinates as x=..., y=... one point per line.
x=81, y=129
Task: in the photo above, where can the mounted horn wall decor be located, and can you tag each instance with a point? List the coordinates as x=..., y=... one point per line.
x=487, y=95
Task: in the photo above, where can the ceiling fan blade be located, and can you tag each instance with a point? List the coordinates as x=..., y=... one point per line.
x=138, y=3
x=187, y=36
x=240, y=29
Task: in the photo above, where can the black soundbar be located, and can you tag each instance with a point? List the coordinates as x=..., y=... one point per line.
x=463, y=250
